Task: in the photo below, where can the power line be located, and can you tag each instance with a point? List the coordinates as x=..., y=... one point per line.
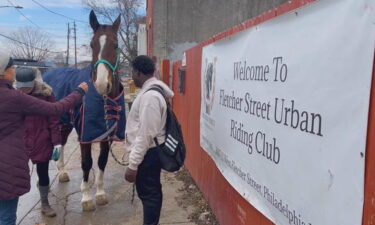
x=75, y=45
x=67, y=49
x=57, y=13
x=31, y=20
x=30, y=46
x=52, y=35
x=23, y=15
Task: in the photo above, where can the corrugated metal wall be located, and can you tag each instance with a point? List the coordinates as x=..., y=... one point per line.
x=229, y=207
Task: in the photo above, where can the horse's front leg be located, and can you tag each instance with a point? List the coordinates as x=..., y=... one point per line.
x=101, y=198
x=86, y=163
x=63, y=175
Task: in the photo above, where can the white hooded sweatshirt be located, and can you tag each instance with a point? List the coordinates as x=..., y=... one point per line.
x=146, y=120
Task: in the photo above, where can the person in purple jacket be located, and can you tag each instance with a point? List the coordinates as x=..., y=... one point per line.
x=14, y=106
x=42, y=133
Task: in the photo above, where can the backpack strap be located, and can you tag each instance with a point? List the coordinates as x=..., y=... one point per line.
x=159, y=89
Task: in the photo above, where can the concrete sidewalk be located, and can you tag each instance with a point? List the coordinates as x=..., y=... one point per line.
x=65, y=197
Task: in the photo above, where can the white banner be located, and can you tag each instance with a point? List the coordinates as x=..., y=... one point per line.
x=284, y=111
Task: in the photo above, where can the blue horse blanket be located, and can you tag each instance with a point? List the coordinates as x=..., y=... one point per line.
x=89, y=118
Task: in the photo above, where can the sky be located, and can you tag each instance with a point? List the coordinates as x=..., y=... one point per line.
x=54, y=25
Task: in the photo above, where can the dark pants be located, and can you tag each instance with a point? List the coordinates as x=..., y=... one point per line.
x=42, y=171
x=8, y=212
x=149, y=187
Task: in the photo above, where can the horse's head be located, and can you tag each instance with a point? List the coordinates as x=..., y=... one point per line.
x=105, y=56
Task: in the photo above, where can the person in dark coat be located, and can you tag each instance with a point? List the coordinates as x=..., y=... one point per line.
x=42, y=133
x=14, y=106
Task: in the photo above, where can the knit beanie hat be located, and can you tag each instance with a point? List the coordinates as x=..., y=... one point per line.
x=4, y=62
x=25, y=77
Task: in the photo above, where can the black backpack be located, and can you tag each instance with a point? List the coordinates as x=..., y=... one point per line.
x=172, y=153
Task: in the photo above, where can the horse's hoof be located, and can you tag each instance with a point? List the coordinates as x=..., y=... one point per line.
x=101, y=200
x=63, y=177
x=88, y=206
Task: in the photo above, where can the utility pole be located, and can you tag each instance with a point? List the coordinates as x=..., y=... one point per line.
x=75, y=44
x=67, y=49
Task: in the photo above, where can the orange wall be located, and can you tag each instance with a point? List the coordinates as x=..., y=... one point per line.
x=165, y=67
x=229, y=207
x=369, y=209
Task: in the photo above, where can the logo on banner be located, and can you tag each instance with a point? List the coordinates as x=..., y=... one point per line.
x=209, y=84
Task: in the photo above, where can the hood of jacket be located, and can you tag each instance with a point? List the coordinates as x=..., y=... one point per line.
x=42, y=88
x=153, y=81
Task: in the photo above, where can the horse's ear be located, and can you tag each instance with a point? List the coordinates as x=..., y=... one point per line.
x=94, y=21
x=116, y=24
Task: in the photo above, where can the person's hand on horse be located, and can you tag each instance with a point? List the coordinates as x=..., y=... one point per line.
x=84, y=87
x=130, y=175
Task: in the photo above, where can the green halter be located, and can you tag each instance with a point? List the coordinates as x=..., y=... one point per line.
x=113, y=68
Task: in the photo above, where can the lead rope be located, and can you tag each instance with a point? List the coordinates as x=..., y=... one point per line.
x=123, y=163
x=133, y=194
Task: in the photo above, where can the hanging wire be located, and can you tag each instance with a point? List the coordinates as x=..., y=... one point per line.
x=19, y=11
x=59, y=14
x=30, y=46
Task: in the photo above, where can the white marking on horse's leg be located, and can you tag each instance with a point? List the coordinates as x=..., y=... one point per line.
x=100, y=182
x=86, y=202
x=63, y=175
x=101, y=82
x=85, y=189
x=60, y=162
x=100, y=193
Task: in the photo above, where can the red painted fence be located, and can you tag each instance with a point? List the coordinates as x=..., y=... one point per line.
x=229, y=207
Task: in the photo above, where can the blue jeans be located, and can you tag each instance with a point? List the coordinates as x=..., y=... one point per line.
x=8, y=211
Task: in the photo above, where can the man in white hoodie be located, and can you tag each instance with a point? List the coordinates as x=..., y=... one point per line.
x=146, y=121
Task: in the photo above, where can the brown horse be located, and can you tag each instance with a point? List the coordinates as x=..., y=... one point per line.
x=104, y=44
